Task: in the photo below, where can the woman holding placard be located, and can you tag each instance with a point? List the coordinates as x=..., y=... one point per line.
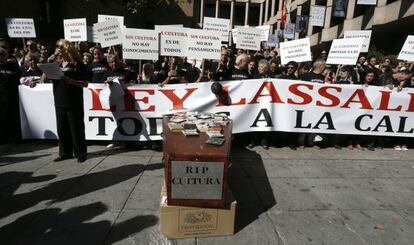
x=68, y=96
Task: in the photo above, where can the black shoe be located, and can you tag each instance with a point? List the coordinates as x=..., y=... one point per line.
x=371, y=148
x=59, y=159
x=292, y=147
x=81, y=159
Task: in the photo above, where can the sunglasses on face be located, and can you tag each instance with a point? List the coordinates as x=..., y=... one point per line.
x=290, y=68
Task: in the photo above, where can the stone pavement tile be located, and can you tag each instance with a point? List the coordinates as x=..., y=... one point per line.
x=236, y=170
x=293, y=194
x=115, y=163
x=391, y=193
x=258, y=231
x=140, y=227
x=244, y=192
x=38, y=189
x=155, y=167
x=339, y=193
x=71, y=166
x=372, y=168
x=379, y=226
x=239, y=152
x=408, y=215
x=111, y=190
x=146, y=194
x=313, y=227
x=87, y=224
x=131, y=152
x=266, y=168
x=27, y=162
x=50, y=146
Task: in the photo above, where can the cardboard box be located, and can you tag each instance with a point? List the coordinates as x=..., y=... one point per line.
x=187, y=222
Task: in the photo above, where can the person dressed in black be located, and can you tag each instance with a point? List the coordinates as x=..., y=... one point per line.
x=117, y=71
x=30, y=72
x=290, y=70
x=99, y=66
x=239, y=71
x=9, y=100
x=68, y=97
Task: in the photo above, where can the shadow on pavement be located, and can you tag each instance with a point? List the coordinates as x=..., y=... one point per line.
x=78, y=225
x=254, y=194
x=58, y=191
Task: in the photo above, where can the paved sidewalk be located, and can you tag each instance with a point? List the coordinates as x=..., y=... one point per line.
x=307, y=196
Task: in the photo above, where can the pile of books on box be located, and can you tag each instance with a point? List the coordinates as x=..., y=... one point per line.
x=193, y=123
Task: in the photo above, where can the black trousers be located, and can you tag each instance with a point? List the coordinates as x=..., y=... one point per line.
x=71, y=132
x=4, y=121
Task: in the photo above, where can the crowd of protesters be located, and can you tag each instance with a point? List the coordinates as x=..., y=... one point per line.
x=18, y=66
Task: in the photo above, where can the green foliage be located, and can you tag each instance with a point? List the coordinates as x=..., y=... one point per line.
x=381, y=54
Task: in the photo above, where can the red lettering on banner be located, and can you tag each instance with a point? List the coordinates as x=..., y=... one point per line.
x=323, y=91
x=272, y=93
x=305, y=97
x=177, y=102
x=411, y=104
x=363, y=100
x=96, y=103
x=242, y=101
x=385, y=101
x=130, y=100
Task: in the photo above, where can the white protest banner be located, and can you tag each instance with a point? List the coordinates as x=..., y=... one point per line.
x=256, y=105
x=296, y=50
x=18, y=27
x=407, y=51
x=75, y=30
x=317, y=15
x=234, y=35
x=173, y=41
x=248, y=38
x=264, y=32
x=219, y=25
x=92, y=34
x=159, y=28
x=104, y=17
x=140, y=44
x=366, y=2
x=345, y=51
x=364, y=34
x=109, y=33
x=289, y=31
x=203, y=44
x=273, y=40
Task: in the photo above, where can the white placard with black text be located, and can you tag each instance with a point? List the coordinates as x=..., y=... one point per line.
x=140, y=44
x=92, y=34
x=104, y=17
x=407, y=51
x=219, y=25
x=109, y=33
x=173, y=41
x=18, y=27
x=264, y=32
x=366, y=2
x=317, y=15
x=296, y=50
x=75, y=30
x=203, y=44
x=364, y=34
x=248, y=38
x=345, y=51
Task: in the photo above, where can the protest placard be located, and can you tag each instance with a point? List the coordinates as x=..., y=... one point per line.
x=248, y=38
x=264, y=32
x=75, y=30
x=203, y=44
x=317, y=15
x=140, y=44
x=234, y=35
x=296, y=50
x=219, y=25
x=173, y=41
x=18, y=27
x=345, y=51
x=364, y=34
x=104, y=17
x=366, y=2
x=92, y=34
x=159, y=28
x=289, y=31
x=407, y=51
x=109, y=33
x=273, y=40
